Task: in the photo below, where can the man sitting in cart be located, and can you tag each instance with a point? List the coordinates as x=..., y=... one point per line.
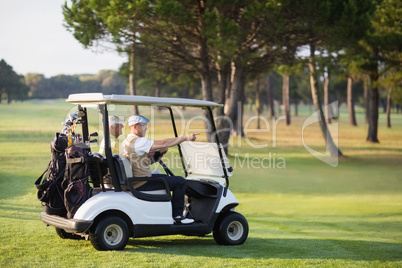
x=116, y=129
x=138, y=150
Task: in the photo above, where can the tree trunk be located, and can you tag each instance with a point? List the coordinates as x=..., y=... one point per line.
x=206, y=87
x=270, y=98
x=285, y=98
x=229, y=84
x=206, y=84
x=373, y=109
x=333, y=149
x=157, y=93
x=224, y=84
x=224, y=123
x=328, y=112
x=227, y=124
x=366, y=97
x=389, y=108
x=238, y=127
x=258, y=106
x=131, y=77
x=351, y=106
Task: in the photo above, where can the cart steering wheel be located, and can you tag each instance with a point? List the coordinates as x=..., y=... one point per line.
x=157, y=157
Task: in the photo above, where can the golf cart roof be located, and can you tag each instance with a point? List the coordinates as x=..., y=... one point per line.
x=98, y=98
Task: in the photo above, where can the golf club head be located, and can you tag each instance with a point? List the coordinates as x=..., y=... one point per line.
x=68, y=122
x=65, y=130
x=73, y=117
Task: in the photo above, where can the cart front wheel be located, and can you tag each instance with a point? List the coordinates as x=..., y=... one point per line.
x=231, y=229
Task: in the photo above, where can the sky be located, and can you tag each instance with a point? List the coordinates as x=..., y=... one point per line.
x=34, y=40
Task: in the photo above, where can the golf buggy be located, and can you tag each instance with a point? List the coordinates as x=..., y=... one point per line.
x=89, y=195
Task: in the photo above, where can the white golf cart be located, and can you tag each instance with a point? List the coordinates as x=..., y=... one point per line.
x=115, y=210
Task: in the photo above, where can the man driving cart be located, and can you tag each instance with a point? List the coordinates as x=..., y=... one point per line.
x=139, y=150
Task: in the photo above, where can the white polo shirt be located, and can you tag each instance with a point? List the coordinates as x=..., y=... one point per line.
x=142, y=145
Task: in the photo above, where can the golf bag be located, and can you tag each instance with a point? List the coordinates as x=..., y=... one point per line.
x=50, y=190
x=76, y=178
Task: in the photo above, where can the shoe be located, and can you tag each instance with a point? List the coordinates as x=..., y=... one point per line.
x=183, y=220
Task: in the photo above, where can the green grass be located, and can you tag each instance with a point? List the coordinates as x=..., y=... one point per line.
x=305, y=213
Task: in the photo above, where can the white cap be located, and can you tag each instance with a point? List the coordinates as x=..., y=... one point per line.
x=136, y=119
x=115, y=120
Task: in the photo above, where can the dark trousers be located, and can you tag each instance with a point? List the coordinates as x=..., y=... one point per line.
x=176, y=184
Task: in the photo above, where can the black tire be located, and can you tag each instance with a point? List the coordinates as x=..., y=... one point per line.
x=111, y=233
x=63, y=234
x=231, y=229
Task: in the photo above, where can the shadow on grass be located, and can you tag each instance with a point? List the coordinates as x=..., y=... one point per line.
x=259, y=248
x=8, y=211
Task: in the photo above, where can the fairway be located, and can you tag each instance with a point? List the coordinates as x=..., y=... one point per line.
x=301, y=211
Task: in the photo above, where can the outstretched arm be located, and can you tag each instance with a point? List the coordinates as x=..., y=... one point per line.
x=170, y=142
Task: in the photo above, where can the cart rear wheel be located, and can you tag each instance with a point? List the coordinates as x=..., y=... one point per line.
x=231, y=229
x=111, y=233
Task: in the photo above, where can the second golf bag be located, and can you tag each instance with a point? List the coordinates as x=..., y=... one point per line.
x=49, y=184
x=76, y=178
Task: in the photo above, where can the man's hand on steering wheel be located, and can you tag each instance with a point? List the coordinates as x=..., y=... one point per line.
x=157, y=155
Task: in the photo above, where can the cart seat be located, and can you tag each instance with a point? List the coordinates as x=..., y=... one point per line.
x=123, y=168
x=124, y=171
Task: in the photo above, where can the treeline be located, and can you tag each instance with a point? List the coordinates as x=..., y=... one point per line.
x=18, y=87
x=259, y=89
x=12, y=86
x=60, y=86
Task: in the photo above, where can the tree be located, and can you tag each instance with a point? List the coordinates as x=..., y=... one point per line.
x=270, y=97
x=352, y=73
x=258, y=103
x=327, y=62
x=117, y=22
x=60, y=86
x=351, y=109
x=334, y=151
x=331, y=25
x=111, y=82
x=396, y=93
x=63, y=85
x=36, y=83
x=178, y=40
x=229, y=39
x=11, y=83
x=379, y=51
x=286, y=71
x=391, y=81
x=301, y=84
x=261, y=36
